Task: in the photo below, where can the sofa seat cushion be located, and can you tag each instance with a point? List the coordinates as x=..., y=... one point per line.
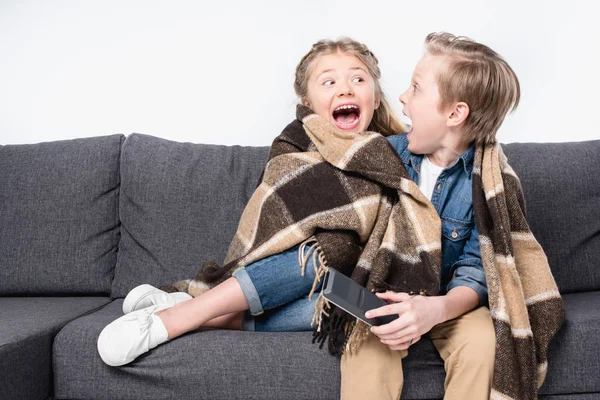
x=574, y=365
x=59, y=223
x=27, y=328
x=221, y=364
x=218, y=364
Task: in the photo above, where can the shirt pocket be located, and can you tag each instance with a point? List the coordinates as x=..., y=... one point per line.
x=454, y=237
x=459, y=207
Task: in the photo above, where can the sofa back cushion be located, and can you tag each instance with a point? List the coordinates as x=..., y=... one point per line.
x=59, y=226
x=180, y=205
x=561, y=183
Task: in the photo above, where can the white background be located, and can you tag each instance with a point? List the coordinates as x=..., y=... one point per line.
x=222, y=71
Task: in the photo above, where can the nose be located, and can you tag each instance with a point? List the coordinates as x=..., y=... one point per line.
x=404, y=100
x=344, y=89
x=403, y=97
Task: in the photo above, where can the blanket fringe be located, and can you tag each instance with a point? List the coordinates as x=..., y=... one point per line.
x=335, y=329
x=329, y=325
x=359, y=333
x=343, y=334
x=322, y=307
x=320, y=265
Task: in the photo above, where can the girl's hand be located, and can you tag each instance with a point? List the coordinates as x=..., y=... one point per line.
x=417, y=315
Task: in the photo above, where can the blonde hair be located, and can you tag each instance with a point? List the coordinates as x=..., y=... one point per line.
x=384, y=121
x=478, y=76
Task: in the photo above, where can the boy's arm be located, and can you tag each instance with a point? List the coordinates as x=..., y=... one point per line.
x=468, y=269
x=418, y=314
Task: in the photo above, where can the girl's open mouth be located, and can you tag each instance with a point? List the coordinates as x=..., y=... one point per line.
x=346, y=116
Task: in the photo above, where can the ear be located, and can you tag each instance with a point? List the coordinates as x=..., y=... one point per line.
x=306, y=103
x=377, y=103
x=458, y=114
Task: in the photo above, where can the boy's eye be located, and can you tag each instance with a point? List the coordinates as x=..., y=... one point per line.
x=328, y=82
x=415, y=88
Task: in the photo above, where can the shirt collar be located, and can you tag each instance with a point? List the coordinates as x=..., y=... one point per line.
x=409, y=158
x=467, y=158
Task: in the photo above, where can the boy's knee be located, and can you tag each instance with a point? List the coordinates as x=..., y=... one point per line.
x=480, y=350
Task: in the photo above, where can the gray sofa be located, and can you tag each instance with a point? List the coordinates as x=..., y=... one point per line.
x=84, y=221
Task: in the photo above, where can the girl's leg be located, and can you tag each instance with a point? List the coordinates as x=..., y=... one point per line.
x=280, y=314
x=277, y=302
x=295, y=316
x=277, y=280
x=233, y=321
x=265, y=284
x=137, y=332
x=225, y=298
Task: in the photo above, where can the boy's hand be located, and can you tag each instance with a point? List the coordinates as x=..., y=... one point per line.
x=417, y=315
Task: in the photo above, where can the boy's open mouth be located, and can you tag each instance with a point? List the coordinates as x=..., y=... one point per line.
x=346, y=116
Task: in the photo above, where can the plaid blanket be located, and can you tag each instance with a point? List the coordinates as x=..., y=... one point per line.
x=525, y=304
x=353, y=194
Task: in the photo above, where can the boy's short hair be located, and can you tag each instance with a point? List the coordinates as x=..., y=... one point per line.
x=478, y=76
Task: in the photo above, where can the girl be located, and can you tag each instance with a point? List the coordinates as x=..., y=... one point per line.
x=307, y=214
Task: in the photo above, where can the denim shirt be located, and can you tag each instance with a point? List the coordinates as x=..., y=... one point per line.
x=453, y=199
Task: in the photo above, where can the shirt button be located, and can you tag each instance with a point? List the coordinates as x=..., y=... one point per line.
x=439, y=186
x=454, y=234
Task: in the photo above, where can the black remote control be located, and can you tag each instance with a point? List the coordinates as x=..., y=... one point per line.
x=353, y=298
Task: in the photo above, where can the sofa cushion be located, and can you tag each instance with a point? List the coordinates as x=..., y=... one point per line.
x=218, y=364
x=221, y=364
x=58, y=216
x=573, y=363
x=27, y=328
x=180, y=205
x=561, y=183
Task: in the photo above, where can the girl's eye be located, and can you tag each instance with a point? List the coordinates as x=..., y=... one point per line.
x=415, y=88
x=328, y=82
x=357, y=79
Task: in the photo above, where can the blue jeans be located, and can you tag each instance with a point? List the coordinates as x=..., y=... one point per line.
x=277, y=294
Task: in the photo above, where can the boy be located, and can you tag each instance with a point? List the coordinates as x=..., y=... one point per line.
x=459, y=95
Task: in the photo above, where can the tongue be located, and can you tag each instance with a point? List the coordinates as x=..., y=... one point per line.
x=346, y=118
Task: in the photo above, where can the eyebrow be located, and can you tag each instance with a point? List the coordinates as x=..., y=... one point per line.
x=352, y=69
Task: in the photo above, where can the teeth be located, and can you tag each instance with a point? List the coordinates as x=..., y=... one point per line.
x=346, y=107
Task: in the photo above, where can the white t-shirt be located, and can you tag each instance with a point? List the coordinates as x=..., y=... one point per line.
x=428, y=176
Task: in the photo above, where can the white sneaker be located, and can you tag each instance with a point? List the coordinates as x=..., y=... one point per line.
x=147, y=295
x=131, y=335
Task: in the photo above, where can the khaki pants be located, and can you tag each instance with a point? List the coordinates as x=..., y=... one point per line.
x=466, y=344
